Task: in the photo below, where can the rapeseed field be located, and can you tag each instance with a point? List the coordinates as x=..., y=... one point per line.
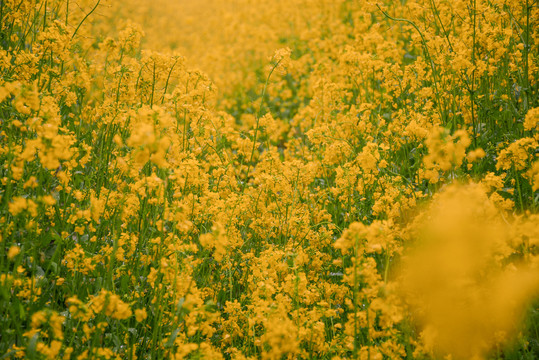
x=286, y=179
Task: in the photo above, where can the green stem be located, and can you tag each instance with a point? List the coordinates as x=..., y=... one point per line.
x=257, y=125
x=153, y=86
x=437, y=15
x=526, y=56
x=355, y=299
x=472, y=88
x=168, y=79
x=519, y=189
x=84, y=19
x=427, y=55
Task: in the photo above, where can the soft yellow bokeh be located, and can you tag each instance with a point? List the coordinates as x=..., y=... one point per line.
x=463, y=290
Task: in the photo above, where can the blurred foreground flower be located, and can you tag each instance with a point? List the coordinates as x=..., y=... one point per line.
x=465, y=281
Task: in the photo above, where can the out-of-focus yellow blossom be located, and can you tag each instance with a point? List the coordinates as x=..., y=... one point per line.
x=534, y=176
x=18, y=205
x=455, y=279
x=140, y=314
x=13, y=251
x=475, y=155
x=50, y=351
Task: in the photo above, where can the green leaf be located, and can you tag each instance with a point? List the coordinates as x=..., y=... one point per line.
x=172, y=338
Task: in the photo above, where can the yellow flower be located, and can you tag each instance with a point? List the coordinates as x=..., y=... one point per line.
x=446, y=151
x=532, y=119
x=18, y=205
x=48, y=200
x=476, y=154
x=140, y=314
x=111, y=305
x=534, y=175
x=122, y=310
x=51, y=351
x=13, y=251
x=281, y=60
